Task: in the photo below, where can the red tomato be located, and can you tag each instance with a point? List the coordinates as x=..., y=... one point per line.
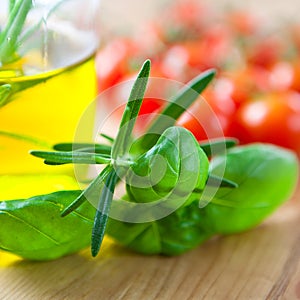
x=274, y=118
x=210, y=116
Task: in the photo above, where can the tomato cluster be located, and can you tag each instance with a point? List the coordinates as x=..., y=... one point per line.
x=256, y=96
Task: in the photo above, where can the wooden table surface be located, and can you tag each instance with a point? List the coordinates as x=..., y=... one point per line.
x=260, y=264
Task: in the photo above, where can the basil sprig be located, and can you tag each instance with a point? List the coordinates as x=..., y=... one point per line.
x=262, y=188
x=120, y=162
x=250, y=191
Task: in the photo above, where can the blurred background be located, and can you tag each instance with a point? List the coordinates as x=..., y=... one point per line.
x=115, y=14
x=254, y=46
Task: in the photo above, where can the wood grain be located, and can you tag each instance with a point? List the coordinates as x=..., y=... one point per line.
x=260, y=264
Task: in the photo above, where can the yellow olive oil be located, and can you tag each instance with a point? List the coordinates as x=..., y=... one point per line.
x=43, y=115
x=38, y=118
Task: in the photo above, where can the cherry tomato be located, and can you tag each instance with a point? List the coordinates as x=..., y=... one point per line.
x=273, y=118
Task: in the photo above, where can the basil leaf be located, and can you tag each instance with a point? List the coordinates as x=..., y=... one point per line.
x=177, y=233
x=33, y=228
x=266, y=176
x=173, y=167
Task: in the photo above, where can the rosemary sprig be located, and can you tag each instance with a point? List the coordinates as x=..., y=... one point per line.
x=115, y=160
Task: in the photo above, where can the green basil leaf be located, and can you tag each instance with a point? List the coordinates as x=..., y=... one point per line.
x=174, y=167
x=33, y=228
x=266, y=176
x=177, y=233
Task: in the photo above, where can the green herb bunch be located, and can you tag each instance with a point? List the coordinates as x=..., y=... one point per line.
x=166, y=171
